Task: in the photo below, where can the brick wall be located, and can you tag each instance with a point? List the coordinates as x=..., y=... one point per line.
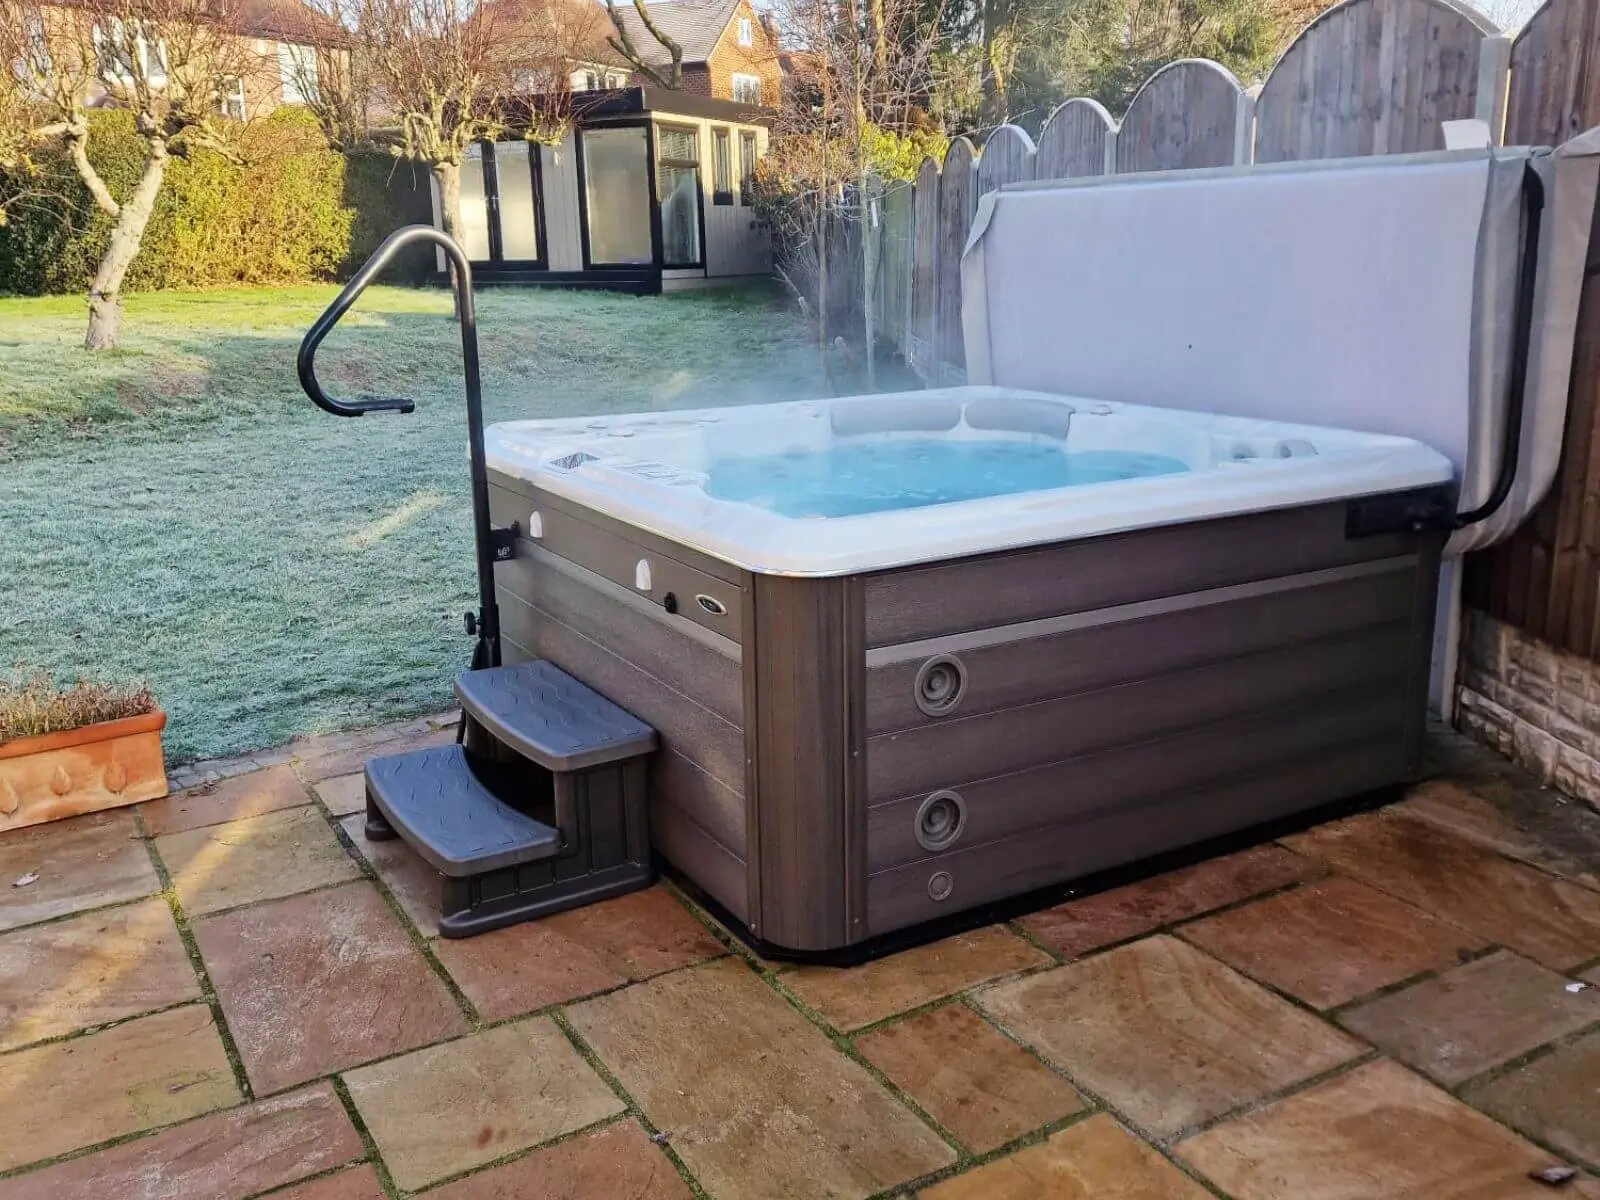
x=696, y=80
x=760, y=58
x=1535, y=704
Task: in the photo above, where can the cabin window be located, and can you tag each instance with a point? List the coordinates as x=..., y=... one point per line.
x=117, y=54
x=473, y=206
x=721, y=168
x=747, y=165
x=297, y=71
x=616, y=79
x=747, y=89
x=678, y=186
x=517, y=202
x=233, y=105
x=746, y=34
x=616, y=186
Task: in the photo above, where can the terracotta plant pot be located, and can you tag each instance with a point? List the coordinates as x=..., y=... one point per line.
x=58, y=775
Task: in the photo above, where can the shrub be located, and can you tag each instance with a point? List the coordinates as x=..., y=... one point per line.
x=34, y=705
x=293, y=211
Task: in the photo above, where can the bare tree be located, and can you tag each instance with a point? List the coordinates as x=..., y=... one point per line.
x=335, y=81
x=168, y=62
x=861, y=75
x=622, y=42
x=430, y=78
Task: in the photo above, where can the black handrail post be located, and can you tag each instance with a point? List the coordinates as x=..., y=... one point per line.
x=487, y=651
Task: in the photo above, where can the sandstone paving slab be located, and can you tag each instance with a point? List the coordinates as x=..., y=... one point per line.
x=1094, y=1159
x=445, y=1109
x=233, y=799
x=259, y=858
x=852, y=997
x=1477, y=1016
x=147, y=1072
x=1526, y=822
x=225, y=1156
x=343, y=794
x=576, y=953
x=755, y=1099
x=1079, y=926
x=1377, y=1132
x=352, y=1183
x=1166, y=1034
x=1555, y=1097
x=90, y=969
x=414, y=884
x=86, y=862
x=314, y=984
x=978, y=1084
x=1553, y=921
x=314, y=767
x=1331, y=941
x=616, y=1162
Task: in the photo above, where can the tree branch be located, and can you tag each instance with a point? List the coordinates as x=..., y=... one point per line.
x=77, y=134
x=623, y=45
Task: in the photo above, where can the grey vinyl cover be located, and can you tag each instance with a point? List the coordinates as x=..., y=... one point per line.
x=1375, y=294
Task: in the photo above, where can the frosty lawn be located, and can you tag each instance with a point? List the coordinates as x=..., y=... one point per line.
x=176, y=511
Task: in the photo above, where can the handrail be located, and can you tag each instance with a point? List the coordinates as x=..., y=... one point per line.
x=487, y=624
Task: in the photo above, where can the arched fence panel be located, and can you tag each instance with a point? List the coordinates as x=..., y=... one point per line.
x=1372, y=77
x=1186, y=115
x=919, y=348
x=958, y=196
x=1007, y=157
x=1078, y=139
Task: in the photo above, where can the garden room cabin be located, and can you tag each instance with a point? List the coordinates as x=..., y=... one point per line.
x=650, y=191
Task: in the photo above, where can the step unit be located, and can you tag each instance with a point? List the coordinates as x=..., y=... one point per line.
x=542, y=809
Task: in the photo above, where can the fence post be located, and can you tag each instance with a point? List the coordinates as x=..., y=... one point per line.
x=1244, y=127
x=1494, y=80
x=1111, y=149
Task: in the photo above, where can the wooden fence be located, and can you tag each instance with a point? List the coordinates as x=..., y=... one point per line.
x=1365, y=77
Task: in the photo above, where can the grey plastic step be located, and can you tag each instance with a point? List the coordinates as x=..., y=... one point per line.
x=546, y=715
x=434, y=801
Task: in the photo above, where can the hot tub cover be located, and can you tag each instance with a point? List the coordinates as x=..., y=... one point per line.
x=1376, y=294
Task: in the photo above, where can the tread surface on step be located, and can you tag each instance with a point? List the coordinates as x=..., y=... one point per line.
x=434, y=801
x=545, y=714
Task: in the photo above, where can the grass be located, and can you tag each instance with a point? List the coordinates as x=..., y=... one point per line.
x=177, y=512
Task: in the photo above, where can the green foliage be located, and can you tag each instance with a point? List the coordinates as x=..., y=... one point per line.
x=1015, y=60
x=291, y=211
x=894, y=155
x=1115, y=45
x=385, y=193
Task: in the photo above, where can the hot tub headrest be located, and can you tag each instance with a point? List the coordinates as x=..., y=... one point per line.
x=1375, y=294
x=889, y=414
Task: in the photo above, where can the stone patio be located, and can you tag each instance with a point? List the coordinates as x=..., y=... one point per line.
x=227, y=993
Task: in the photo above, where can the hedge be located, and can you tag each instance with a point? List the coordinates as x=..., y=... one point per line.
x=294, y=211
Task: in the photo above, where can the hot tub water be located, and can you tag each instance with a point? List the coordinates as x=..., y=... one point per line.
x=870, y=476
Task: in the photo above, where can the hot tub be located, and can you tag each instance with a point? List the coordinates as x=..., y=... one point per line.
x=911, y=655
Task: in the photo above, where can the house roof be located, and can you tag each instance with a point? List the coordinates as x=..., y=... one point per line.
x=696, y=25
x=287, y=20
x=278, y=20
